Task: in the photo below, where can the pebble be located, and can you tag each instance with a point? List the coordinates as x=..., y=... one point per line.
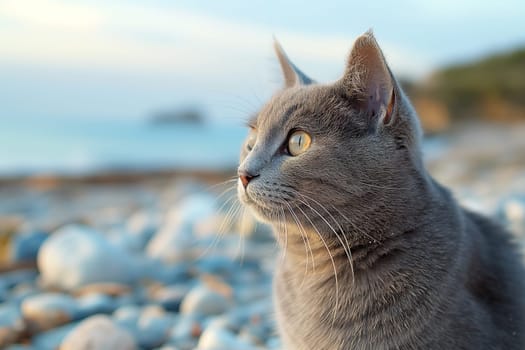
x=24, y=247
x=254, y=333
x=156, y=279
x=186, y=331
x=273, y=343
x=249, y=293
x=169, y=297
x=172, y=245
x=202, y=300
x=214, y=338
x=75, y=256
x=51, y=339
x=14, y=278
x=217, y=265
x=94, y=304
x=512, y=211
x=177, y=239
x=11, y=324
x=22, y=291
x=98, y=332
x=4, y=293
x=127, y=317
x=148, y=282
x=49, y=310
x=142, y=225
x=10, y=315
x=107, y=288
x=153, y=327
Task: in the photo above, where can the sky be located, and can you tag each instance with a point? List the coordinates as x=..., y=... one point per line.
x=124, y=60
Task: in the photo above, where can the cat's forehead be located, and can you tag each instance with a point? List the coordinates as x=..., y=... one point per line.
x=292, y=106
x=313, y=107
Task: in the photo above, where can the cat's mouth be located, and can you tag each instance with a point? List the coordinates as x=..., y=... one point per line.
x=264, y=210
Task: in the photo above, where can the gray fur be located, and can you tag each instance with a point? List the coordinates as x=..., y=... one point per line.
x=292, y=75
x=413, y=269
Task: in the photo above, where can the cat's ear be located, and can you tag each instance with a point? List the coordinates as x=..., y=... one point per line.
x=292, y=75
x=369, y=80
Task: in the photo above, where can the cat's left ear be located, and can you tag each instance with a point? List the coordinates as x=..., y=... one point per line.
x=369, y=80
x=292, y=75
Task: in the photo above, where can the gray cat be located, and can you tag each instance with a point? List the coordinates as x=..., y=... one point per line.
x=376, y=254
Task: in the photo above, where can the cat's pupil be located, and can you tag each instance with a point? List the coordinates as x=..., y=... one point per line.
x=298, y=142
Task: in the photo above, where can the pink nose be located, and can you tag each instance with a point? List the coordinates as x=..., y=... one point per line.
x=246, y=177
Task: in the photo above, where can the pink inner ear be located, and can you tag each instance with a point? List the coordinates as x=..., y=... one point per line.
x=380, y=100
x=390, y=108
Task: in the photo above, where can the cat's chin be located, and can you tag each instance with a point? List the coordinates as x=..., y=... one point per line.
x=261, y=216
x=261, y=213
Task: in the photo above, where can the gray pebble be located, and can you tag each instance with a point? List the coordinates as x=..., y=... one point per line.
x=185, y=331
x=170, y=297
x=153, y=327
x=11, y=324
x=46, y=311
x=94, y=304
x=25, y=246
x=51, y=339
x=202, y=300
x=214, y=338
x=98, y=332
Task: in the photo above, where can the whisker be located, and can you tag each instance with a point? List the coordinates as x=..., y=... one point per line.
x=354, y=225
x=345, y=247
x=296, y=219
x=234, y=217
x=241, y=234
x=303, y=233
x=283, y=256
x=225, y=182
x=336, y=306
x=219, y=197
x=364, y=233
x=226, y=219
x=220, y=231
x=345, y=218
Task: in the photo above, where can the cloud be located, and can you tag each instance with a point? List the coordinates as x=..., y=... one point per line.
x=140, y=38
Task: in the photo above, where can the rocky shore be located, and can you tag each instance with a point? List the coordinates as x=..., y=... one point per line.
x=167, y=263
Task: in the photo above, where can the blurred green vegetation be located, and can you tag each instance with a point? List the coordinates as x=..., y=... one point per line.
x=492, y=88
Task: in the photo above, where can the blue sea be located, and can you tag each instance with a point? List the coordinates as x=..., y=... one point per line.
x=78, y=147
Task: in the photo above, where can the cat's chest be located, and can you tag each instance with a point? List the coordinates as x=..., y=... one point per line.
x=330, y=316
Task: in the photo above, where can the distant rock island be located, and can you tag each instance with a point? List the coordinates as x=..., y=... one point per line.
x=178, y=116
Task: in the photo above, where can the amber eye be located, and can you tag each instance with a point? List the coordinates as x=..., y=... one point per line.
x=250, y=141
x=298, y=142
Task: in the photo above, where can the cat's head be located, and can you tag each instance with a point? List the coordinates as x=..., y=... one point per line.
x=317, y=153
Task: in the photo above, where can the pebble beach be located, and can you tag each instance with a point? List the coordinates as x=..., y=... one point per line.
x=175, y=263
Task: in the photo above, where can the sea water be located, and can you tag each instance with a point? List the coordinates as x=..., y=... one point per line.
x=80, y=146
x=34, y=146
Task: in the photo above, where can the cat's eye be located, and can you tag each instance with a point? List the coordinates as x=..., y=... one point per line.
x=298, y=142
x=250, y=141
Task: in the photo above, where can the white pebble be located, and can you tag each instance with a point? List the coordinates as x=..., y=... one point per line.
x=98, y=332
x=76, y=255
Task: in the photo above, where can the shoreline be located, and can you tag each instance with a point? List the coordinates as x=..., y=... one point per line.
x=49, y=181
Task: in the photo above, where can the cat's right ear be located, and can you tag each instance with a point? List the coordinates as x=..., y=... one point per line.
x=292, y=75
x=369, y=81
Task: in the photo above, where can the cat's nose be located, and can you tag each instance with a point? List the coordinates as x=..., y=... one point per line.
x=246, y=177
